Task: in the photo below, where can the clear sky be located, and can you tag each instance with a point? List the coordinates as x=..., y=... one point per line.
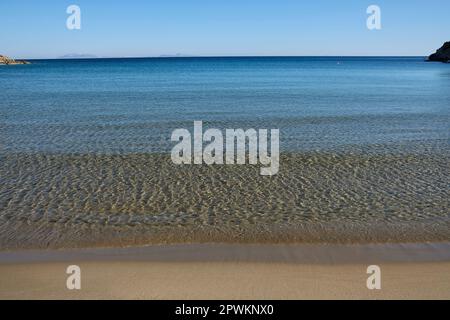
x=114, y=28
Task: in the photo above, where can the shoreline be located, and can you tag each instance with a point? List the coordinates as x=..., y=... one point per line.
x=221, y=271
x=225, y=252
x=337, y=233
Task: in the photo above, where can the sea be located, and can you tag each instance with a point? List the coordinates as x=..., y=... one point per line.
x=117, y=106
x=85, y=151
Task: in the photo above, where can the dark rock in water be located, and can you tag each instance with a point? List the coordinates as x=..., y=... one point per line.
x=9, y=61
x=442, y=54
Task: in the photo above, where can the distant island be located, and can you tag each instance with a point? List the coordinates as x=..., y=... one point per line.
x=177, y=55
x=442, y=54
x=8, y=61
x=78, y=56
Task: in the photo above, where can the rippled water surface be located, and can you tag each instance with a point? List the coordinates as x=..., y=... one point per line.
x=83, y=151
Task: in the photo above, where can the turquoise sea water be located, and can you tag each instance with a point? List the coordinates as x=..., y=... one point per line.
x=364, y=141
x=132, y=105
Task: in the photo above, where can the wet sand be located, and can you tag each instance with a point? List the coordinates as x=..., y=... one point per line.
x=221, y=271
x=62, y=201
x=308, y=232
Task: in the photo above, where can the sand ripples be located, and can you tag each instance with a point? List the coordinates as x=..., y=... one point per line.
x=60, y=200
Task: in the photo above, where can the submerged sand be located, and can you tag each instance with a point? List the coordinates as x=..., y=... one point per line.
x=54, y=200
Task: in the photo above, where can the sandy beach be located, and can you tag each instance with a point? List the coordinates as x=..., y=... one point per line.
x=221, y=271
x=224, y=150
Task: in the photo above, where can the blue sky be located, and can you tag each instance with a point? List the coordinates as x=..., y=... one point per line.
x=37, y=29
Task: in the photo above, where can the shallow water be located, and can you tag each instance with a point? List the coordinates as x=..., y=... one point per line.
x=69, y=200
x=365, y=151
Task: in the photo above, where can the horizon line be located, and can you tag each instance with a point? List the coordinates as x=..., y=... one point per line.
x=226, y=56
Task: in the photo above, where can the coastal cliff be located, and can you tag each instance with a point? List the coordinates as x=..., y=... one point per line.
x=442, y=54
x=9, y=61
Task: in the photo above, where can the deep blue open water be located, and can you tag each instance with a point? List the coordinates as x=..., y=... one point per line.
x=132, y=105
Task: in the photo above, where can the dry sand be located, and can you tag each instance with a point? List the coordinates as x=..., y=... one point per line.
x=210, y=271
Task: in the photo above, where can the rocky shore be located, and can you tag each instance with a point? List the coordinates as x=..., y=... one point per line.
x=442, y=54
x=8, y=61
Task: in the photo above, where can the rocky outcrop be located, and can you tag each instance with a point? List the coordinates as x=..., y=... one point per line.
x=9, y=61
x=442, y=54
